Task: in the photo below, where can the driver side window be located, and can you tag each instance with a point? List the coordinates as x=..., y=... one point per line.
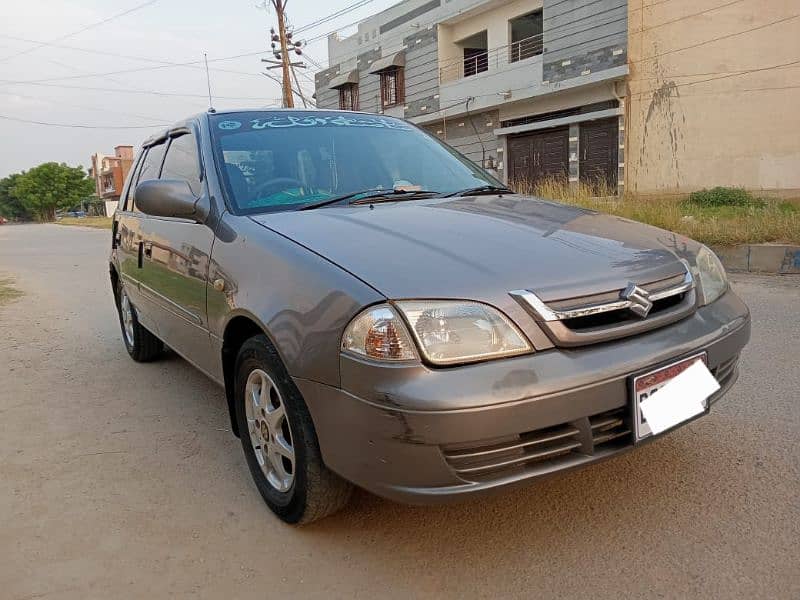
x=182, y=162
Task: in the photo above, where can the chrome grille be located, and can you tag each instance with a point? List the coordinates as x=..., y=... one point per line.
x=541, y=448
x=613, y=314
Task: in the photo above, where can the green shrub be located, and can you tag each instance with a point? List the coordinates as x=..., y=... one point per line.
x=724, y=196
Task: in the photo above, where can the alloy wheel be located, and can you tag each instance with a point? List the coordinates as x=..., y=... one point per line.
x=269, y=429
x=127, y=317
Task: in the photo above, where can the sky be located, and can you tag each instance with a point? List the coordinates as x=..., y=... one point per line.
x=172, y=31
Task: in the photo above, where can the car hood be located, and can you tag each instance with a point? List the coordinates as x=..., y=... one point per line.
x=479, y=247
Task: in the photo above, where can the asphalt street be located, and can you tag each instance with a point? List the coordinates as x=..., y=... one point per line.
x=122, y=480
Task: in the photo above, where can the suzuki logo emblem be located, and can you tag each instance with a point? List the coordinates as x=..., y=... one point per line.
x=639, y=299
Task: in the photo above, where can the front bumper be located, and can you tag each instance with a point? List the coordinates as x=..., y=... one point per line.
x=421, y=435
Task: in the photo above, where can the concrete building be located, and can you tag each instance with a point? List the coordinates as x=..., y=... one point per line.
x=109, y=174
x=565, y=89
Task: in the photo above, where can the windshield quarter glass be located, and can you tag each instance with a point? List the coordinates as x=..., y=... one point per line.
x=274, y=161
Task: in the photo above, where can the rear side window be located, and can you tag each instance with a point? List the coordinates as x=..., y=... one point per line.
x=182, y=162
x=151, y=167
x=126, y=202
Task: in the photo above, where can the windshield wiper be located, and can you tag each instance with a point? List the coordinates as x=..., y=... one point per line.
x=370, y=194
x=483, y=189
x=394, y=196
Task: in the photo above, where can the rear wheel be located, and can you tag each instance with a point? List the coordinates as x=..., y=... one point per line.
x=279, y=439
x=142, y=345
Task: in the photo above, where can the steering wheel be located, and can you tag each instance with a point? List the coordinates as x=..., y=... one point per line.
x=276, y=184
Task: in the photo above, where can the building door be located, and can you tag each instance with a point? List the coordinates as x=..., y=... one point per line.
x=540, y=155
x=599, y=142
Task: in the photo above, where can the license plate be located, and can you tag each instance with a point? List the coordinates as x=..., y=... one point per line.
x=676, y=406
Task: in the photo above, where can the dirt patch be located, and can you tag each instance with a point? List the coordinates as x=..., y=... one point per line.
x=8, y=292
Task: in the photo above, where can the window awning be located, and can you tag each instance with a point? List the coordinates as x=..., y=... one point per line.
x=398, y=59
x=344, y=79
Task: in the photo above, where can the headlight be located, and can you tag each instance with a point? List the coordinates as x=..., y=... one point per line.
x=378, y=333
x=711, y=274
x=450, y=332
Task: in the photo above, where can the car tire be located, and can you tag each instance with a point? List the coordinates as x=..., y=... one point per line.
x=273, y=420
x=142, y=346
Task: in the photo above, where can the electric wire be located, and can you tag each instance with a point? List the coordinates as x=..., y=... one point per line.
x=81, y=30
x=80, y=126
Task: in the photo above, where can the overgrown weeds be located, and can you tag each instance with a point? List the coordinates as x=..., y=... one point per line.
x=94, y=222
x=721, y=218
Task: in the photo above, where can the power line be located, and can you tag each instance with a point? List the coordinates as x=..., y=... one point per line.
x=77, y=126
x=716, y=39
x=161, y=65
x=697, y=14
x=133, y=91
x=81, y=30
x=726, y=76
x=60, y=103
x=334, y=15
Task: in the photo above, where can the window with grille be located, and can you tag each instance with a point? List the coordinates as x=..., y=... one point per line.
x=348, y=97
x=526, y=36
x=392, y=87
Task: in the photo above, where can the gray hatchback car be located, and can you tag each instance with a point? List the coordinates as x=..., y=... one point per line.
x=382, y=312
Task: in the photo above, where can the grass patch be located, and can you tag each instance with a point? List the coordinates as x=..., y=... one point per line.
x=7, y=290
x=721, y=219
x=95, y=222
x=724, y=196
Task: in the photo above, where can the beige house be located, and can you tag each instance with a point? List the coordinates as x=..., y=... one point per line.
x=713, y=95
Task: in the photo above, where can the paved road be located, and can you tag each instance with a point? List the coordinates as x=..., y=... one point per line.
x=122, y=480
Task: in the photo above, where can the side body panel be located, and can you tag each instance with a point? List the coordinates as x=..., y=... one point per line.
x=173, y=279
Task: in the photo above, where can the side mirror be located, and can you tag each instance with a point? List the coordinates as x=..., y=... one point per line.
x=170, y=198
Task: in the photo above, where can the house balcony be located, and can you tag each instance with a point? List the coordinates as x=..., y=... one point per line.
x=494, y=76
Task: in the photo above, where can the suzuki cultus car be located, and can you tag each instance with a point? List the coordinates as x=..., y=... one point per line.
x=382, y=312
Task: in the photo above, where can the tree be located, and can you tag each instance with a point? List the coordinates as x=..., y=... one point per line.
x=52, y=186
x=11, y=206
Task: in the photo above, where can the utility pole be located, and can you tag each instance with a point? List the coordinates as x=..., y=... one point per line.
x=282, y=45
x=288, y=97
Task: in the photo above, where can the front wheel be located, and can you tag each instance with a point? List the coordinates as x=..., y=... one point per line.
x=279, y=439
x=142, y=346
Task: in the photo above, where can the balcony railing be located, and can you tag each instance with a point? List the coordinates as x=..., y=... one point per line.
x=491, y=59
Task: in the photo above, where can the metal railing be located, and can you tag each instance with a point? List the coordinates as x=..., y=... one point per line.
x=490, y=59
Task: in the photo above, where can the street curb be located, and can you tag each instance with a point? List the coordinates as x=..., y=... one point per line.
x=779, y=259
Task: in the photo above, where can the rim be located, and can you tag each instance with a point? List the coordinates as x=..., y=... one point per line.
x=126, y=311
x=270, y=432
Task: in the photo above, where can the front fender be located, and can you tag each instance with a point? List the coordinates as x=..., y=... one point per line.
x=301, y=300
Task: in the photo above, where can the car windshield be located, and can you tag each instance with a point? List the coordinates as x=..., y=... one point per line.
x=276, y=161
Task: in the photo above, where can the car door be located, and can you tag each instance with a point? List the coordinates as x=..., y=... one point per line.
x=127, y=236
x=175, y=257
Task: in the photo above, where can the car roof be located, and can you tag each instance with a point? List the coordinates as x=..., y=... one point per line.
x=185, y=124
